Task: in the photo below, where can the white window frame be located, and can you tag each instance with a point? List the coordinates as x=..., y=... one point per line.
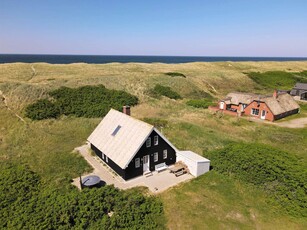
x=148, y=142
x=102, y=156
x=137, y=162
x=107, y=159
x=165, y=154
x=253, y=112
x=156, y=140
x=156, y=156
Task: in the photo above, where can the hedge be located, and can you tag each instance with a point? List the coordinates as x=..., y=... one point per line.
x=280, y=174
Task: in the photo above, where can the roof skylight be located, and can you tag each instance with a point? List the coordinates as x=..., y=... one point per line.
x=116, y=130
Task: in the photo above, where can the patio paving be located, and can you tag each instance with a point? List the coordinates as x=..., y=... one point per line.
x=156, y=183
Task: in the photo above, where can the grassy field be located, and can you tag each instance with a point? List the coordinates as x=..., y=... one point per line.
x=213, y=201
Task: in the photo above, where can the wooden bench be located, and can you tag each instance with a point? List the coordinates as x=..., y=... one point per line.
x=180, y=172
x=176, y=168
x=160, y=167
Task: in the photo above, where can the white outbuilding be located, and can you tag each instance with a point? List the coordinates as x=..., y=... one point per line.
x=197, y=164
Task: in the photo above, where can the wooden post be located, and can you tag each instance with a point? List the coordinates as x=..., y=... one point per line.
x=81, y=186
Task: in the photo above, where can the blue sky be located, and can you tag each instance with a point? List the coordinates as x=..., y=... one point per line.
x=159, y=27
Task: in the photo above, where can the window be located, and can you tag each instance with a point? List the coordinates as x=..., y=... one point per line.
x=156, y=140
x=107, y=159
x=116, y=130
x=255, y=111
x=164, y=153
x=102, y=155
x=148, y=142
x=137, y=162
x=156, y=157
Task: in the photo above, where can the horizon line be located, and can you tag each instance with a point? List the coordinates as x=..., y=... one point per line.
x=142, y=55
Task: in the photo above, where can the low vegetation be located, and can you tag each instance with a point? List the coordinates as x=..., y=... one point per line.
x=157, y=122
x=160, y=90
x=199, y=94
x=281, y=175
x=175, y=74
x=47, y=208
x=200, y=103
x=86, y=101
x=278, y=79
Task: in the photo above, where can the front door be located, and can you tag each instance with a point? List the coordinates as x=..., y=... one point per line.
x=146, y=163
x=263, y=114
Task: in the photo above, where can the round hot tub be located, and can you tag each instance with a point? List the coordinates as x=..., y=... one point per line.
x=90, y=181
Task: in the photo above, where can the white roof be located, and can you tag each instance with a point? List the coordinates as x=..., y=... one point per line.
x=129, y=138
x=120, y=137
x=193, y=156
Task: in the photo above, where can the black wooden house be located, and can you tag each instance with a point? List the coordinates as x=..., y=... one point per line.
x=129, y=146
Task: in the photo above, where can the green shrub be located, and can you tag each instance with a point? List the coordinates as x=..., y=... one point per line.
x=200, y=103
x=42, y=109
x=28, y=203
x=86, y=101
x=199, y=94
x=302, y=74
x=278, y=79
x=277, y=172
x=160, y=90
x=175, y=74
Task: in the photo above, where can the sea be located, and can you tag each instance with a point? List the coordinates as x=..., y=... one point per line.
x=102, y=59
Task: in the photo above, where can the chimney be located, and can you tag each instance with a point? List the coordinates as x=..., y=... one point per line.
x=126, y=110
x=275, y=94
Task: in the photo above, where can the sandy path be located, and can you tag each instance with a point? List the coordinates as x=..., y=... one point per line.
x=3, y=98
x=296, y=123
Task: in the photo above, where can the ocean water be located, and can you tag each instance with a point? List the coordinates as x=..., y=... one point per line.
x=101, y=59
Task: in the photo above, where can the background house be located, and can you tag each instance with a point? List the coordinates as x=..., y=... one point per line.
x=236, y=101
x=273, y=107
x=300, y=91
x=270, y=108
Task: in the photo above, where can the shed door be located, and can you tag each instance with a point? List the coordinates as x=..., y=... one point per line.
x=146, y=163
x=263, y=114
x=304, y=96
x=221, y=105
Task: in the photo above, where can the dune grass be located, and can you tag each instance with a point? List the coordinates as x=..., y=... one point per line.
x=216, y=201
x=211, y=201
